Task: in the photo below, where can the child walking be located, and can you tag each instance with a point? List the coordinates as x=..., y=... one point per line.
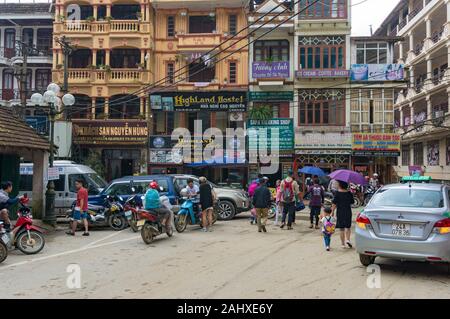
x=328, y=228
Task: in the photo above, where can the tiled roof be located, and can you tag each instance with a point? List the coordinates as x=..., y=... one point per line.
x=24, y=8
x=16, y=133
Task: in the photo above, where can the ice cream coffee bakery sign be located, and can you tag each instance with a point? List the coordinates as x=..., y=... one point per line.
x=88, y=132
x=232, y=101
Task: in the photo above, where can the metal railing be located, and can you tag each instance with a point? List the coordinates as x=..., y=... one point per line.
x=14, y=94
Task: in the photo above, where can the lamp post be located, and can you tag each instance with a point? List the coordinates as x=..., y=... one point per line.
x=50, y=99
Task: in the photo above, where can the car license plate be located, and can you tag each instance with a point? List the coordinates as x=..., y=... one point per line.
x=140, y=222
x=401, y=230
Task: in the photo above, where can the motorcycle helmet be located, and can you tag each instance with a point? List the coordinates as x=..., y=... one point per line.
x=154, y=185
x=184, y=193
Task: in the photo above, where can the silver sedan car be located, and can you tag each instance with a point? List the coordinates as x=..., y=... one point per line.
x=408, y=221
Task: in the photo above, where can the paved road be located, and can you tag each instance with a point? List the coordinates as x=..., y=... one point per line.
x=234, y=261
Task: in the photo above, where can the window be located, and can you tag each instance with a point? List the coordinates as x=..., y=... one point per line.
x=371, y=53
x=170, y=72
x=44, y=40
x=232, y=24
x=202, y=24
x=233, y=72
x=433, y=153
x=119, y=189
x=43, y=79
x=322, y=107
x=26, y=183
x=322, y=52
x=405, y=155
x=170, y=26
x=273, y=50
x=332, y=9
x=409, y=198
x=418, y=153
x=201, y=72
x=181, y=183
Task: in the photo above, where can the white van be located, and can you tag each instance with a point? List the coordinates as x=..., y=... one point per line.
x=69, y=172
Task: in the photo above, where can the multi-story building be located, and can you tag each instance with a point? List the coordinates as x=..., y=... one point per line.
x=322, y=61
x=271, y=72
x=202, y=60
x=375, y=80
x=108, y=70
x=421, y=109
x=29, y=24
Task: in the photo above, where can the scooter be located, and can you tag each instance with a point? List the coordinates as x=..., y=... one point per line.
x=190, y=214
x=111, y=213
x=354, y=189
x=26, y=237
x=368, y=194
x=132, y=207
x=3, y=248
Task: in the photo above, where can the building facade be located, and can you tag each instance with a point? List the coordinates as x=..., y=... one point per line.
x=30, y=25
x=108, y=70
x=421, y=109
x=321, y=110
x=201, y=72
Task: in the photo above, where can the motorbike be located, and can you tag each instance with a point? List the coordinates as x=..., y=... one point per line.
x=3, y=247
x=368, y=193
x=24, y=236
x=354, y=189
x=111, y=213
x=189, y=213
x=132, y=207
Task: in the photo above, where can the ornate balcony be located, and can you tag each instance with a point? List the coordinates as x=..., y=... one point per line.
x=198, y=41
x=100, y=77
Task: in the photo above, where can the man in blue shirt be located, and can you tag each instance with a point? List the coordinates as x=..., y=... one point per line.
x=152, y=202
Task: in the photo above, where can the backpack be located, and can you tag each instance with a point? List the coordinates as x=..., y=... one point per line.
x=288, y=192
x=328, y=227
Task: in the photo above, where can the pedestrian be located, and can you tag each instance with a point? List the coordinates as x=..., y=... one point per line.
x=262, y=200
x=328, y=227
x=81, y=209
x=316, y=201
x=342, y=203
x=289, y=195
x=191, y=189
x=279, y=204
x=251, y=192
x=207, y=199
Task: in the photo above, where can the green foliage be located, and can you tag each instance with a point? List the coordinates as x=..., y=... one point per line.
x=94, y=161
x=261, y=112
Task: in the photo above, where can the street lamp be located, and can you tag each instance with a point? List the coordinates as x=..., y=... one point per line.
x=51, y=99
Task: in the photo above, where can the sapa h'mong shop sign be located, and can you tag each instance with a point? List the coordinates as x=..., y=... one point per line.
x=109, y=132
x=373, y=144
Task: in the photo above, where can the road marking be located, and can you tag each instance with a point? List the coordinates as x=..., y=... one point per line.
x=67, y=252
x=102, y=239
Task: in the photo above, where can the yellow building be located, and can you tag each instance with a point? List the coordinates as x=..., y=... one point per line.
x=123, y=47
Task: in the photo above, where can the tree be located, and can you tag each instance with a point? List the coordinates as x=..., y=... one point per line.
x=94, y=161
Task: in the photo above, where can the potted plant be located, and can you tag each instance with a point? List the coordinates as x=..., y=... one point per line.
x=101, y=67
x=108, y=18
x=140, y=66
x=90, y=19
x=269, y=60
x=225, y=81
x=62, y=17
x=261, y=112
x=107, y=68
x=59, y=66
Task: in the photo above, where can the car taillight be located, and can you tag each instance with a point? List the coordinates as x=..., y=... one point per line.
x=443, y=226
x=362, y=221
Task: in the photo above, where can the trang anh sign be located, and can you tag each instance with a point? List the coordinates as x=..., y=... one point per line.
x=267, y=70
x=199, y=101
x=374, y=144
x=88, y=132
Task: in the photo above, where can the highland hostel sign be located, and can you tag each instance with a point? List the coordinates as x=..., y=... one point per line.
x=199, y=101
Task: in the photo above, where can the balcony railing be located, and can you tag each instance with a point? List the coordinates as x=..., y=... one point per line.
x=419, y=87
x=113, y=75
x=419, y=47
x=113, y=26
x=437, y=35
x=414, y=12
x=437, y=78
x=14, y=94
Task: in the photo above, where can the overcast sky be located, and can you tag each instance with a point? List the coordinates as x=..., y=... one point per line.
x=371, y=12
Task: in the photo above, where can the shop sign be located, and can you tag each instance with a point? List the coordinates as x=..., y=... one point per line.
x=227, y=101
x=415, y=170
x=165, y=157
x=270, y=96
x=270, y=70
x=323, y=74
x=53, y=174
x=324, y=141
x=275, y=133
x=39, y=123
x=376, y=144
x=377, y=72
x=88, y=132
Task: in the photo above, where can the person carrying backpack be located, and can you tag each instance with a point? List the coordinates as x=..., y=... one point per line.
x=289, y=195
x=315, y=204
x=328, y=228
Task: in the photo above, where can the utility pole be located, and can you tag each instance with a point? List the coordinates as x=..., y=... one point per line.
x=67, y=49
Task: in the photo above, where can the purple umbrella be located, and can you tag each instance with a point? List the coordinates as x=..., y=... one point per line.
x=345, y=175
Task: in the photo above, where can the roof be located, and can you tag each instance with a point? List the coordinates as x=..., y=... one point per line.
x=25, y=8
x=391, y=15
x=16, y=133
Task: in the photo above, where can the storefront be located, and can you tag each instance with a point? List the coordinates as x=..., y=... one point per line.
x=121, y=144
x=274, y=138
x=376, y=153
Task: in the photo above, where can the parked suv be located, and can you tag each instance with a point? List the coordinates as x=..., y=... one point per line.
x=232, y=201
